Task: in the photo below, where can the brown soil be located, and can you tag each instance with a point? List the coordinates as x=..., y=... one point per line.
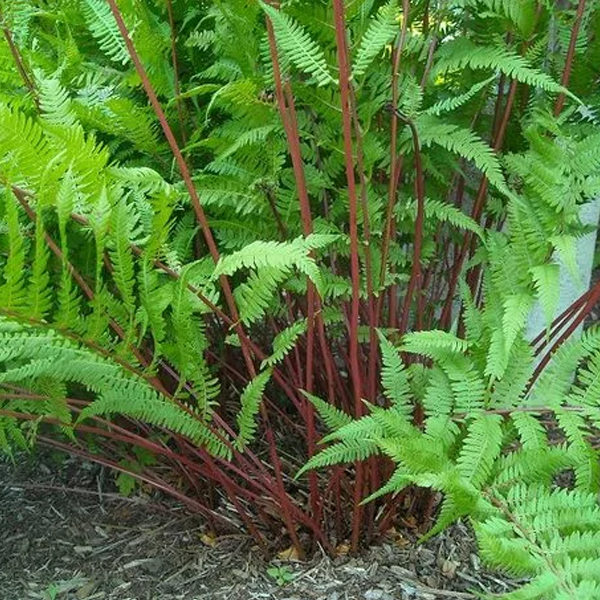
x=66, y=535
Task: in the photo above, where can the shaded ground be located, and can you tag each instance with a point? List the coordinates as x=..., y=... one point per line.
x=65, y=535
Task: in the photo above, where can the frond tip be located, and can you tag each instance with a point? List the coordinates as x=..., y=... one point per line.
x=298, y=46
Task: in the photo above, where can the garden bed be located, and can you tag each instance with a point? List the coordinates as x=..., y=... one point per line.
x=66, y=534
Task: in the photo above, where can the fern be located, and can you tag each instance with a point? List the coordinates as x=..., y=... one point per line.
x=56, y=103
x=546, y=280
x=521, y=14
x=284, y=342
x=516, y=310
x=463, y=52
x=451, y=104
x=480, y=449
x=332, y=416
x=342, y=452
x=380, y=32
x=39, y=292
x=103, y=27
x=12, y=292
x=393, y=377
x=43, y=355
x=464, y=143
x=282, y=257
x=250, y=402
x=122, y=257
x=298, y=46
x=446, y=213
x=111, y=302
x=430, y=343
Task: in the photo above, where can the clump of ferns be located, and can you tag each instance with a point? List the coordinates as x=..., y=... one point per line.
x=369, y=189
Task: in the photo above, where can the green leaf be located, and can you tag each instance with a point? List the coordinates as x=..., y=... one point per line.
x=381, y=31
x=450, y=104
x=460, y=53
x=464, y=143
x=517, y=308
x=546, y=279
x=394, y=377
x=103, y=27
x=333, y=417
x=299, y=47
x=250, y=402
x=284, y=342
x=481, y=448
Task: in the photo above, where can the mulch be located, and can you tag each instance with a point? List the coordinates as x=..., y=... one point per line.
x=65, y=534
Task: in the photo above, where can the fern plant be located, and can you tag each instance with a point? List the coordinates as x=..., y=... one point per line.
x=486, y=445
x=209, y=211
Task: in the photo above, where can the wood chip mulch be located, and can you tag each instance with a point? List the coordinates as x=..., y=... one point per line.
x=66, y=535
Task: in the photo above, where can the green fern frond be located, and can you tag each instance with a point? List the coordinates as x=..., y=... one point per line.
x=122, y=256
x=467, y=384
x=257, y=294
x=439, y=395
x=463, y=52
x=517, y=308
x=39, y=292
x=367, y=427
x=24, y=148
x=464, y=143
x=394, y=485
x=44, y=354
x=481, y=448
x=103, y=27
x=520, y=12
x=55, y=103
x=250, y=402
x=553, y=385
x=451, y=104
x=283, y=343
x=546, y=279
x=13, y=290
x=447, y=213
x=155, y=297
x=333, y=417
x=394, y=376
x=299, y=47
x=566, y=247
x=348, y=451
x=511, y=389
x=202, y=40
x=381, y=31
x=283, y=256
x=432, y=343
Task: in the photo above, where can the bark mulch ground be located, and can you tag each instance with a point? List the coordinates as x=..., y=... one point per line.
x=66, y=535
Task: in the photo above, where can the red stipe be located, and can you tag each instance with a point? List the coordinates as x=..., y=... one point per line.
x=566, y=76
x=476, y=215
x=215, y=473
x=175, y=62
x=287, y=110
x=344, y=78
x=342, y=51
x=543, y=337
x=395, y=170
x=371, y=308
x=593, y=298
x=184, y=170
x=20, y=64
x=156, y=483
x=415, y=282
x=284, y=505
